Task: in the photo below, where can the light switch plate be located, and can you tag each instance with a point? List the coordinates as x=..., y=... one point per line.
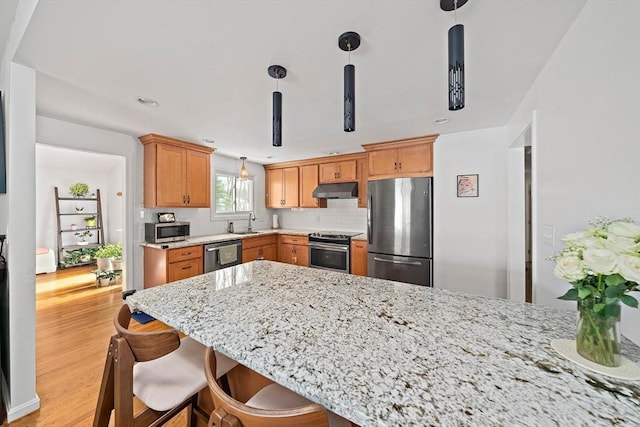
x=549, y=234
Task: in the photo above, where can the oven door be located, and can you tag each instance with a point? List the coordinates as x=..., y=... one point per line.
x=329, y=256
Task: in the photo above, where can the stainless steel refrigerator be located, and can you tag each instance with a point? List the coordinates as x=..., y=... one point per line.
x=399, y=228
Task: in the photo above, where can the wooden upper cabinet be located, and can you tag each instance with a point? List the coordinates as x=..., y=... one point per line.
x=176, y=173
x=308, y=183
x=343, y=171
x=282, y=188
x=363, y=177
x=198, y=179
x=403, y=158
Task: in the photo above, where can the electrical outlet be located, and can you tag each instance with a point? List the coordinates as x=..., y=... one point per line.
x=549, y=234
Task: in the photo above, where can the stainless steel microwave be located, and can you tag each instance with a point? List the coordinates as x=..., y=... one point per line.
x=162, y=232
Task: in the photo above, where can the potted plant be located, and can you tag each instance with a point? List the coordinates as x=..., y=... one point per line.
x=602, y=264
x=82, y=237
x=109, y=257
x=90, y=221
x=105, y=278
x=79, y=189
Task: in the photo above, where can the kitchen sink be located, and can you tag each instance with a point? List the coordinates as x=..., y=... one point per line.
x=245, y=232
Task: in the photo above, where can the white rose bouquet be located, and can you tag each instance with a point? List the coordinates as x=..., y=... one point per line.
x=602, y=263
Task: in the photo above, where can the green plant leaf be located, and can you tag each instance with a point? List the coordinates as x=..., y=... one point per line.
x=629, y=300
x=584, y=292
x=594, y=291
x=615, y=291
x=598, y=307
x=614, y=280
x=571, y=295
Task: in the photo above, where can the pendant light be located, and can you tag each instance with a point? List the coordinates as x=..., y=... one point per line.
x=456, y=56
x=243, y=170
x=349, y=42
x=277, y=72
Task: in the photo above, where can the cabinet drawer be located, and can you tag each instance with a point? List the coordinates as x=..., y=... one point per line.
x=267, y=252
x=254, y=242
x=359, y=244
x=292, y=239
x=184, y=269
x=181, y=254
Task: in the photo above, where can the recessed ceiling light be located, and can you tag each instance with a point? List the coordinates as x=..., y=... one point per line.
x=148, y=101
x=440, y=121
x=270, y=157
x=333, y=153
x=207, y=141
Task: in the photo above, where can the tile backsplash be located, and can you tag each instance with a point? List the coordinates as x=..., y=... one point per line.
x=339, y=215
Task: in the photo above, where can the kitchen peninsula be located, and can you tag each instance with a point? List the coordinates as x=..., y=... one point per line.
x=387, y=353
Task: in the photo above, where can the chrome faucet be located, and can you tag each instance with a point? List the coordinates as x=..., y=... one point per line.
x=252, y=217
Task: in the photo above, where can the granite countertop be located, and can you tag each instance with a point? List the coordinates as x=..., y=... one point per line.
x=384, y=353
x=214, y=238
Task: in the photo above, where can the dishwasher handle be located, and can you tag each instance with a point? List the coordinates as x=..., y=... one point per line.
x=215, y=248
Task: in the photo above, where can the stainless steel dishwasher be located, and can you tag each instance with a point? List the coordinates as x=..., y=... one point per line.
x=212, y=255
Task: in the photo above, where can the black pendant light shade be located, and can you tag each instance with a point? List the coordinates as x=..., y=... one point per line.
x=456, y=57
x=277, y=72
x=277, y=119
x=349, y=41
x=456, y=67
x=349, y=98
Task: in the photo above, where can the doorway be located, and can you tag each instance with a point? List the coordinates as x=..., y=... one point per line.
x=521, y=216
x=528, y=261
x=62, y=167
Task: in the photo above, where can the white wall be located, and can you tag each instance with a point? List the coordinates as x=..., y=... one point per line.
x=470, y=232
x=587, y=151
x=339, y=215
x=116, y=209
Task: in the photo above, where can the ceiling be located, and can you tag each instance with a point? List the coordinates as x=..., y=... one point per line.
x=205, y=62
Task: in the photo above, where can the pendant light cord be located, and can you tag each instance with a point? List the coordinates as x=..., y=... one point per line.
x=455, y=11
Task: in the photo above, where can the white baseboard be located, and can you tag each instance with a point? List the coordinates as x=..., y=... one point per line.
x=22, y=410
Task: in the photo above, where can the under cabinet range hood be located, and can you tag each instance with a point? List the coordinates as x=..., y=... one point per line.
x=343, y=190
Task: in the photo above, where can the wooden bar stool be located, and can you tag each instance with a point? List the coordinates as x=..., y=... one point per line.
x=272, y=406
x=162, y=371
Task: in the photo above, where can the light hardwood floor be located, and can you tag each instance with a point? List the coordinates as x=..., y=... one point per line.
x=74, y=321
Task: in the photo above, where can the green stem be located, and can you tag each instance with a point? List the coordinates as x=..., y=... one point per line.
x=599, y=337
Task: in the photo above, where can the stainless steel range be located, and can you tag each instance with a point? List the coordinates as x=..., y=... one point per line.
x=330, y=250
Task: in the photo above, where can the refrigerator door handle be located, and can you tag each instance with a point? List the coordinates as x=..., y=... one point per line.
x=393, y=261
x=370, y=218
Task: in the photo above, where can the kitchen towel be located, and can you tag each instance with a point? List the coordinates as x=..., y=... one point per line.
x=228, y=254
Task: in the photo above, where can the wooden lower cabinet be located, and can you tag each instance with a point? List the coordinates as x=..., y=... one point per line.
x=167, y=265
x=359, y=257
x=261, y=247
x=293, y=249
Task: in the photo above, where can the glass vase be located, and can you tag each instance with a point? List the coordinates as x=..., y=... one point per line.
x=598, y=335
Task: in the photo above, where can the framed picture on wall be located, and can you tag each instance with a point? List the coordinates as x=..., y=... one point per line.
x=467, y=185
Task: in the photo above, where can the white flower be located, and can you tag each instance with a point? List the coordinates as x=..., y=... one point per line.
x=569, y=268
x=629, y=266
x=575, y=239
x=625, y=229
x=621, y=244
x=600, y=261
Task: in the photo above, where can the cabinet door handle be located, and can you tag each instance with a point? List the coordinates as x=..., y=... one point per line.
x=399, y=165
x=186, y=267
x=184, y=199
x=188, y=200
